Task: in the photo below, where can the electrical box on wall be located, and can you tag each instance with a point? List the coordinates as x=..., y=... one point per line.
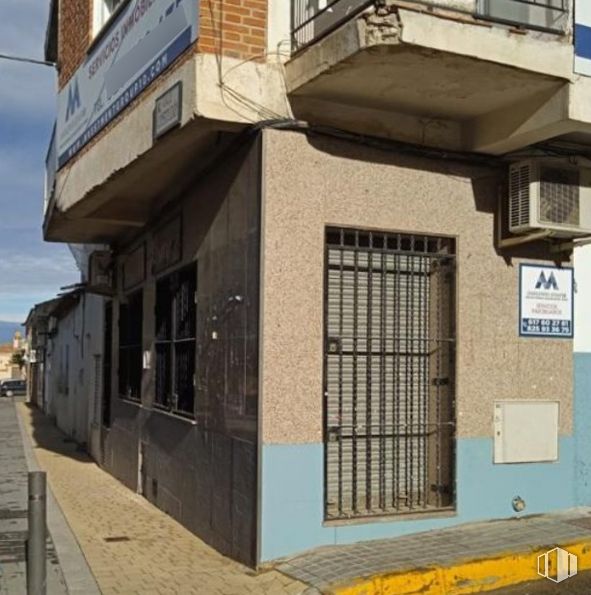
x=526, y=431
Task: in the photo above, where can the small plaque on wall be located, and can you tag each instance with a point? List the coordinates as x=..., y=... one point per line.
x=167, y=245
x=168, y=110
x=134, y=267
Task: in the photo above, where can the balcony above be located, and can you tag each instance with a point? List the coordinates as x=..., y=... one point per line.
x=156, y=91
x=437, y=74
x=121, y=179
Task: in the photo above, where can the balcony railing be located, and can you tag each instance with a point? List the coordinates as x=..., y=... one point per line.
x=312, y=19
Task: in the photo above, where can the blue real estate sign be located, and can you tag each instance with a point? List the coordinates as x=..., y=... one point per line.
x=546, y=301
x=140, y=44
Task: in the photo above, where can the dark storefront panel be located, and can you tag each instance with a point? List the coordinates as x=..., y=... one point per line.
x=202, y=471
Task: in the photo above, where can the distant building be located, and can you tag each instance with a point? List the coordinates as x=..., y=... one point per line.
x=9, y=369
x=6, y=366
x=65, y=339
x=37, y=330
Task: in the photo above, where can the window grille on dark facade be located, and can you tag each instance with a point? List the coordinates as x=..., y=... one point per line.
x=130, y=346
x=389, y=374
x=176, y=327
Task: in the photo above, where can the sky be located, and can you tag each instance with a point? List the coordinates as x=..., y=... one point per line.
x=31, y=271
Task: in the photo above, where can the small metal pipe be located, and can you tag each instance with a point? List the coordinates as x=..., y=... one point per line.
x=569, y=246
x=37, y=537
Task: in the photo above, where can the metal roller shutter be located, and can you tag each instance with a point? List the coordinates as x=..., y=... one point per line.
x=389, y=344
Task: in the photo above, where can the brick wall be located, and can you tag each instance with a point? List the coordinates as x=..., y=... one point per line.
x=75, y=22
x=234, y=28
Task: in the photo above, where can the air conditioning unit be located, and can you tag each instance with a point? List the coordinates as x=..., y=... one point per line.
x=552, y=196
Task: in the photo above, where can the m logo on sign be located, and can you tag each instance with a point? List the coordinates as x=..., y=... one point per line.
x=73, y=100
x=557, y=565
x=547, y=283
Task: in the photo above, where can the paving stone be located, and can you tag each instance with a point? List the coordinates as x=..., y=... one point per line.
x=161, y=556
x=13, y=511
x=334, y=565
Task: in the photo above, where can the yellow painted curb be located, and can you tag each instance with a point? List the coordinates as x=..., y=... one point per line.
x=472, y=576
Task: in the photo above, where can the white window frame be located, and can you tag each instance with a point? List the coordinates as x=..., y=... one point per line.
x=101, y=13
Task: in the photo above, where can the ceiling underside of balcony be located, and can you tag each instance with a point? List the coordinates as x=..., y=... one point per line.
x=133, y=196
x=388, y=75
x=425, y=83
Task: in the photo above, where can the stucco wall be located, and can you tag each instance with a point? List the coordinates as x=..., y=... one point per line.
x=310, y=184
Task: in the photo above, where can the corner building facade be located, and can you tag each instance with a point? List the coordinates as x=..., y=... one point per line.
x=312, y=325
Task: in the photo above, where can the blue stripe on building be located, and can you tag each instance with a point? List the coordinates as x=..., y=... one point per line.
x=293, y=491
x=583, y=41
x=582, y=427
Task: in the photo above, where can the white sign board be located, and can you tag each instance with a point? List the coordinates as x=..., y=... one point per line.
x=546, y=301
x=141, y=43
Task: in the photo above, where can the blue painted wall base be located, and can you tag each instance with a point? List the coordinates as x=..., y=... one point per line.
x=292, y=495
x=292, y=489
x=582, y=427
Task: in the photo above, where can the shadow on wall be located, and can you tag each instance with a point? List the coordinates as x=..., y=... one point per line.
x=487, y=175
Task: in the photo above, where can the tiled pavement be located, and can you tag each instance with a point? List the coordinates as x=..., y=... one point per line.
x=13, y=511
x=131, y=546
x=339, y=565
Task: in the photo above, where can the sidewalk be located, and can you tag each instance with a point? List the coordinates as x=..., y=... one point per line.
x=13, y=512
x=465, y=559
x=130, y=545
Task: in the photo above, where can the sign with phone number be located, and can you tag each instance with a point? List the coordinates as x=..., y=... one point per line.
x=546, y=327
x=546, y=298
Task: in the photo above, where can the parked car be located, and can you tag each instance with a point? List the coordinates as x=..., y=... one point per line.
x=13, y=388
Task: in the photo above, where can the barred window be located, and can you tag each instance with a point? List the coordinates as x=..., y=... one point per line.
x=389, y=373
x=130, y=347
x=175, y=341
